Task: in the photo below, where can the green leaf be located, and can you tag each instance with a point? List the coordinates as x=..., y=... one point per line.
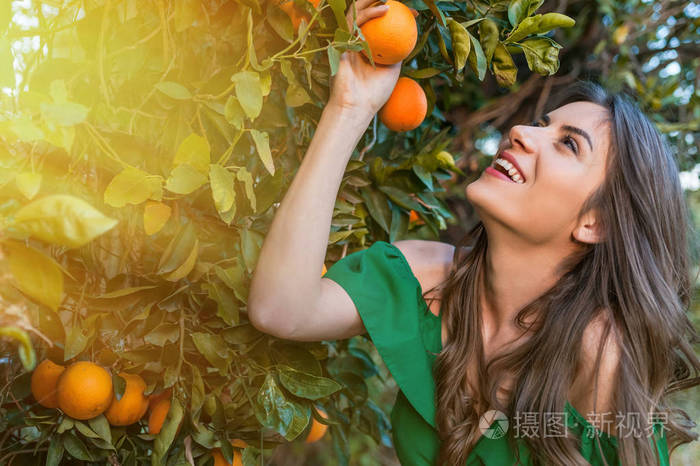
x=211, y=346
x=338, y=7
x=62, y=219
x=76, y=448
x=65, y=425
x=276, y=412
x=518, y=10
x=130, y=186
x=164, y=333
x=400, y=197
x=477, y=59
x=194, y=150
x=55, y=453
x=36, y=274
x=539, y=24
x=377, y=206
x=85, y=430
x=233, y=112
x=101, y=427
x=251, y=243
x=186, y=267
x=222, y=191
x=422, y=73
x=424, y=176
x=280, y=22
x=460, y=43
x=246, y=177
x=64, y=114
x=227, y=309
x=542, y=55
x=119, y=385
x=333, y=59
x=249, y=92
x=185, y=179
x=7, y=66
x=488, y=34
x=174, y=90
x=197, y=399
x=262, y=144
x=503, y=66
x=28, y=184
x=25, y=130
x=178, y=250
x=168, y=432
x=307, y=386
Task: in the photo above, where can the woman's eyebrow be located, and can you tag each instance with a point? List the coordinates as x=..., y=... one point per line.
x=580, y=132
x=572, y=129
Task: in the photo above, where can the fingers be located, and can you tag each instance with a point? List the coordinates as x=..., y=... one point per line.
x=371, y=12
x=365, y=10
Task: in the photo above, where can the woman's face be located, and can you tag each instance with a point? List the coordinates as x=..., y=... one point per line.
x=562, y=162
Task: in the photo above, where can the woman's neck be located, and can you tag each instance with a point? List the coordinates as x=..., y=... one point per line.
x=515, y=274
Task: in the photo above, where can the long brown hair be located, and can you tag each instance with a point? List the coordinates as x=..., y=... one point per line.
x=638, y=278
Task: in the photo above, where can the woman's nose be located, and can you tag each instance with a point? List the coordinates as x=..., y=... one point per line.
x=522, y=137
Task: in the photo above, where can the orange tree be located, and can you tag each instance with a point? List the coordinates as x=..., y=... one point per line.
x=144, y=148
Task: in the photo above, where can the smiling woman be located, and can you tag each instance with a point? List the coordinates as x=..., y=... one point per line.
x=564, y=309
x=573, y=295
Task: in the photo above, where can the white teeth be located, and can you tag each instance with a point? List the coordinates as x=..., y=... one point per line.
x=512, y=171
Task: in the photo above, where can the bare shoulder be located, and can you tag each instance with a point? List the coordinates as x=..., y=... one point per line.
x=582, y=394
x=429, y=261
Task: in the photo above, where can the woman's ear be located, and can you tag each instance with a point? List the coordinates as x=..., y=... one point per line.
x=589, y=230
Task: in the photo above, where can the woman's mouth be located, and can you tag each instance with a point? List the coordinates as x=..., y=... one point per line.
x=505, y=170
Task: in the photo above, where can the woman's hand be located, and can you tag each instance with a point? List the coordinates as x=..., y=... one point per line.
x=358, y=86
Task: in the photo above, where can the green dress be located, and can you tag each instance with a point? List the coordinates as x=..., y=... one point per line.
x=407, y=335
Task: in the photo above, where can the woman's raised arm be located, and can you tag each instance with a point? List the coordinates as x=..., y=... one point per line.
x=287, y=297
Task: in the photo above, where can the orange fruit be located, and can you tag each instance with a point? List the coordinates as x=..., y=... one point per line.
x=219, y=459
x=133, y=404
x=414, y=218
x=159, y=411
x=407, y=106
x=317, y=429
x=44, y=380
x=295, y=13
x=84, y=390
x=392, y=36
x=154, y=398
x=324, y=270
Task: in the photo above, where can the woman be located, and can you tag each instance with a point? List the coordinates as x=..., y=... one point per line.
x=564, y=309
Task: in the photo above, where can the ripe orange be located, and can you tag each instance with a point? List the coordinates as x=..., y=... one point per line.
x=324, y=270
x=414, y=218
x=159, y=411
x=406, y=108
x=133, y=404
x=44, y=380
x=219, y=459
x=295, y=13
x=154, y=398
x=317, y=429
x=84, y=390
x=392, y=36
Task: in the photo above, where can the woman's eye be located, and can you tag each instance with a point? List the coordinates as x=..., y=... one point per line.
x=568, y=140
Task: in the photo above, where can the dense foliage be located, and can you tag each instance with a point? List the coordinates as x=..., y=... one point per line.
x=144, y=147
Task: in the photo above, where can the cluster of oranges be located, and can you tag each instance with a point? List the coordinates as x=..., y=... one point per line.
x=84, y=390
x=391, y=38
